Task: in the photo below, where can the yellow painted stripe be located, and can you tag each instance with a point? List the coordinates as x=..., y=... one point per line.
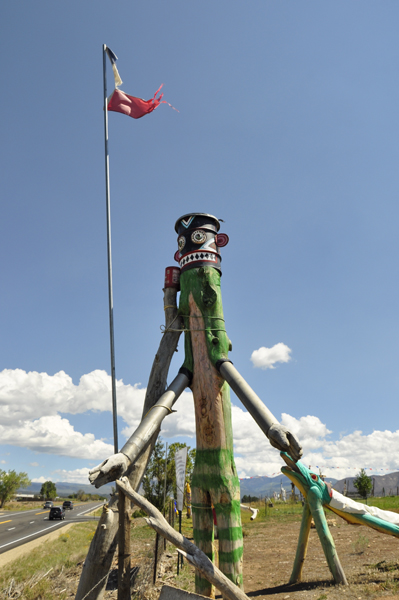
x=42, y=513
x=9, y=521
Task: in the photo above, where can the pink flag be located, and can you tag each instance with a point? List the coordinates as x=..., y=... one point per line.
x=132, y=106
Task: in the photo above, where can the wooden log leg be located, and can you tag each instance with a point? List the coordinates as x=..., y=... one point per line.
x=99, y=558
x=215, y=471
x=102, y=548
x=124, y=548
x=302, y=547
x=203, y=536
x=327, y=541
x=228, y=517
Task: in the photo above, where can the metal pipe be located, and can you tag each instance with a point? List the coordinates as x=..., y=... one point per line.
x=254, y=405
x=109, y=255
x=153, y=419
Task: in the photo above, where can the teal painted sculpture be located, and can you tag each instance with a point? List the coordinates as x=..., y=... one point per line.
x=320, y=495
x=209, y=373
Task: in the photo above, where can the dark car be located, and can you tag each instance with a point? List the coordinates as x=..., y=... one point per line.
x=68, y=505
x=48, y=504
x=57, y=512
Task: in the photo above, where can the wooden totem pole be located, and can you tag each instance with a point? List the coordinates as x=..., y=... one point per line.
x=209, y=373
x=215, y=481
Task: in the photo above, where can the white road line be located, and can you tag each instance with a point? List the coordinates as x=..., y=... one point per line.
x=11, y=528
x=28, y=536
x=31, y=522
x=90, y=509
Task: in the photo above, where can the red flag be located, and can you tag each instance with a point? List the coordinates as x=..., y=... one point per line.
x=132, y=106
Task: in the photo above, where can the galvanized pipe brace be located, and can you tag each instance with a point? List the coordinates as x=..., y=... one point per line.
x=254, y=405
x=153, y=419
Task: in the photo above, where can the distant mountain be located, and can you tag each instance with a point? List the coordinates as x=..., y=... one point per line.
x=262, y=487
x=65, y=489
x=387, y=485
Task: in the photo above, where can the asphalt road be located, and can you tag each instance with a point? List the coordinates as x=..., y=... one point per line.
x=20, y=527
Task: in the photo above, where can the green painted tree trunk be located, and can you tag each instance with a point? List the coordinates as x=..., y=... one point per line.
x=215, y=481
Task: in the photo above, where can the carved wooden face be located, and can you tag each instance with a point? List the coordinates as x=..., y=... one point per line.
x=198, y=241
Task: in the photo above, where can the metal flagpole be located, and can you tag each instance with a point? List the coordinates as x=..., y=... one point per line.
x=110, y=298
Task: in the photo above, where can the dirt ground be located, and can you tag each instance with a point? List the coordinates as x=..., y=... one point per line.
x=369, y=559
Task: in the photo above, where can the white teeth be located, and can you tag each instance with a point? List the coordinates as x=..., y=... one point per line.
x=198, y=256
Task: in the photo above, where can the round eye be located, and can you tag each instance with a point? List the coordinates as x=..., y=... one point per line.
x=181, y=242
x=314, y=477
x=198, y=237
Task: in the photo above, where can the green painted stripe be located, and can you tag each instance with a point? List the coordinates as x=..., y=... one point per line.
x=232, y=534
x=216, y=482
x=219, y=457
x=233, y=508
x=236, y=578
x=202, y=586
x=213, y=469
x=203, y=535
x=234, y=556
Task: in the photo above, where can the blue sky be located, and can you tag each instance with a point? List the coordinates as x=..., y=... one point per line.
x=288, y=131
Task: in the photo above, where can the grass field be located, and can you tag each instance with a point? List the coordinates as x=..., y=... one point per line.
x=33, y=576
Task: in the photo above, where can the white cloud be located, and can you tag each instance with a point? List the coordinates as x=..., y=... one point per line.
x=3, y=462
x=266, y=358
x=345, y=457
x=75, y=476
x=32, y=402
x=27, y=396
x=34, y=464
x=55, y=435
x=40, y=479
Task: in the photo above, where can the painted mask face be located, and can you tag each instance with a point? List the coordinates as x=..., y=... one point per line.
x=199, y=241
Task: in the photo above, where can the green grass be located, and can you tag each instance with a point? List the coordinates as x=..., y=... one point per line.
x=20, y=506
x=281, y=511
x=387, y=503
x=63, y=553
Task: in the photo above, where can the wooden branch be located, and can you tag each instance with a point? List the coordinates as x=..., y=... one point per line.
x=197, y=558
x=124, y=563
x=102, y=548
x=158, y=376
x=99, y=558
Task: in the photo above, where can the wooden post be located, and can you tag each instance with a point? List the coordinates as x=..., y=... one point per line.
x=179, y=558
x=154, y=577
x=99, y=558
x=164, y=489
x=215, y=481
x=302, y=547
x=102, y=548
x=124, y=565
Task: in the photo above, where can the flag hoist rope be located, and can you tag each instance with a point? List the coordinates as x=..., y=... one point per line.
x=110, y=297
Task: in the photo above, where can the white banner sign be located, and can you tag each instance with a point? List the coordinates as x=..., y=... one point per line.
x=180, y=460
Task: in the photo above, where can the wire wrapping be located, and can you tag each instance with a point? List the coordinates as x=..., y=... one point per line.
x=165, y=329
